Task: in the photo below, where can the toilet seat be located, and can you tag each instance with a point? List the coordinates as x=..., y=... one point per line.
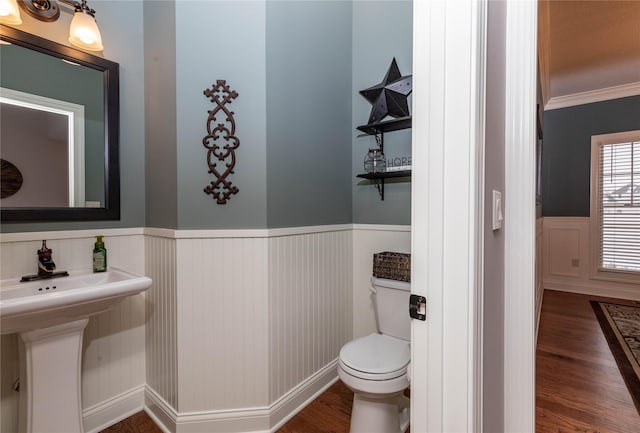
x=375, y=357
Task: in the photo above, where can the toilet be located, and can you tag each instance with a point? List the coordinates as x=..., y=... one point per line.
x=375, y=367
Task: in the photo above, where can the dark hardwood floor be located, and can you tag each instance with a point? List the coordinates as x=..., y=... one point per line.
x=578, y=385
x=329, y=413
x=137, y=423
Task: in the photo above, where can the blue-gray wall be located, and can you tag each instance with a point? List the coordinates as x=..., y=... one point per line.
x=121, y=25
x=160, y=114
x=308, y=113
x=566, y=157
x=298, y=67
x=382, y=30
x=221, y=40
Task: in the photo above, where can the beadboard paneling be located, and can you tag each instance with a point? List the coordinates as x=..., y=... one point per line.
x=113, y=360
x=113, y=346
x=310, y=304
x=161, y=313
x=367, y=240
x=222, y=324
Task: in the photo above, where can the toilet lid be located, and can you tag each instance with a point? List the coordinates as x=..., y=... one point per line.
x=376, y=354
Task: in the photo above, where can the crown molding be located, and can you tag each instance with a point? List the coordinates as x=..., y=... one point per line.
x=598, y=95
x=544, y=47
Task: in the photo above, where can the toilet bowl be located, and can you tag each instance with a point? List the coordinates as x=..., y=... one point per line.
x=375, y=367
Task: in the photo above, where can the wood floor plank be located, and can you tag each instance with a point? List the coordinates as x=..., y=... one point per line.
x=578, y=385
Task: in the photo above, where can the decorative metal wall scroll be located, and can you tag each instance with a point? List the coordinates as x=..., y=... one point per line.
x=221, y=142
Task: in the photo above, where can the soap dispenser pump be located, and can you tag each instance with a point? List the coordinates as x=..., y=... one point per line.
x=99, y=255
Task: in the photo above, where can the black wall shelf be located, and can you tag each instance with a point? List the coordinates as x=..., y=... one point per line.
x=386, y=126
x=385, y=175
x=381, y=128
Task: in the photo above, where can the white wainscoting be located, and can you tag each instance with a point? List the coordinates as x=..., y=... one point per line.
x=161, y=313
x=367, y=240
x=113, y=369
x=539, y=275
x=259, y=316
x=565, y=260
x=223, y=333
x=310, y=303
x=243, y=327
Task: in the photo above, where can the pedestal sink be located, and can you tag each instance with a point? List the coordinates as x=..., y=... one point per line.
x=50, y=317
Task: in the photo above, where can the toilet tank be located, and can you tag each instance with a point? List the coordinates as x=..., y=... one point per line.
x=391, y=303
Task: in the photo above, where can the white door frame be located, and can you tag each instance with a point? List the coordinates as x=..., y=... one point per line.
x=447, y=202
x=449, y=46
x=519, y=223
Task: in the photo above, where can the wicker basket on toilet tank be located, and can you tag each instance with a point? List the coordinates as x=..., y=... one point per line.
x=392, y=266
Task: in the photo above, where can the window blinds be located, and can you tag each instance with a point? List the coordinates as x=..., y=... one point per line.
x=619, y=206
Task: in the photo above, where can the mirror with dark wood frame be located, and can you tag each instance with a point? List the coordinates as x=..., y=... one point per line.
x=106, y=145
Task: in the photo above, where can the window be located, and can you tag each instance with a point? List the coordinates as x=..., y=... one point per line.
x=615, y=204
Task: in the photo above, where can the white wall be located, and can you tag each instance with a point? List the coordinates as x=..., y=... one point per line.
x=258, y=318
x=367, y=240
x=239, y=329
x=566, y=260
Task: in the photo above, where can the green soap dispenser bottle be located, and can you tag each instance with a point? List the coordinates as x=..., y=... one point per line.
x=99, y=255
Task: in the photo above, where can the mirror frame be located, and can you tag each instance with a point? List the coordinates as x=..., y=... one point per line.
x=110, y=70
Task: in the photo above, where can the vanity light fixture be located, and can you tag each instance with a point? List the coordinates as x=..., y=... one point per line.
x=83, y=32
x=9, y=12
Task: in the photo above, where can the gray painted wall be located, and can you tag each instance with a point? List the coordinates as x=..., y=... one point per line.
x=493, y=363
x=221, y=40
x=309, y=131
x=566, y=165
x=382, y=30
x=160, y=114
x=121, y=26
x=287, y=146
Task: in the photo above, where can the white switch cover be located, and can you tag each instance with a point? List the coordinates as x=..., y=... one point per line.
x=497, y=210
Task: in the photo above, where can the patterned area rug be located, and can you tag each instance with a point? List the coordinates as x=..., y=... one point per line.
x=621, y=326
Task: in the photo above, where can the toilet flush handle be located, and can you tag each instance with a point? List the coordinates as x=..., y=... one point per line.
x=373, y=290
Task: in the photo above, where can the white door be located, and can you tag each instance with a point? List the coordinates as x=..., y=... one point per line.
x=449, y=46
x=447, y=206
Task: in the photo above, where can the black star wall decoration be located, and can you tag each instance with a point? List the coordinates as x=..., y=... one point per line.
x=389, y=98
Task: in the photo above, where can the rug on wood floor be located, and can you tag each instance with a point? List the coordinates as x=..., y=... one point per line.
x=621, y=326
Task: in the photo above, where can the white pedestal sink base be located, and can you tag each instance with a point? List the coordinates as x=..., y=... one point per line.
x=50, y=400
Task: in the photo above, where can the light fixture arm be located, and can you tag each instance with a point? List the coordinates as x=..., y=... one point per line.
x=80, y=6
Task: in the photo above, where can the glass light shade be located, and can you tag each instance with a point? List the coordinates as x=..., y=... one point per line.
x=9, y=12
x=84, y=32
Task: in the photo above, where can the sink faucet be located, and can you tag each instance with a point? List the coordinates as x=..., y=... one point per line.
x=46, y=266
x=45, y=262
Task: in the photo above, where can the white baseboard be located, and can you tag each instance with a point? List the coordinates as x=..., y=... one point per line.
x=254, y=420
x=299, y=397
x=594, y=288
x=109, y=412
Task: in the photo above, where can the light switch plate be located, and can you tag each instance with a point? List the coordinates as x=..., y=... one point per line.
x=497, y=210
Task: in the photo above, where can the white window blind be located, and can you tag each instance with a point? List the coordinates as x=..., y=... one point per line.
x=619, y=206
